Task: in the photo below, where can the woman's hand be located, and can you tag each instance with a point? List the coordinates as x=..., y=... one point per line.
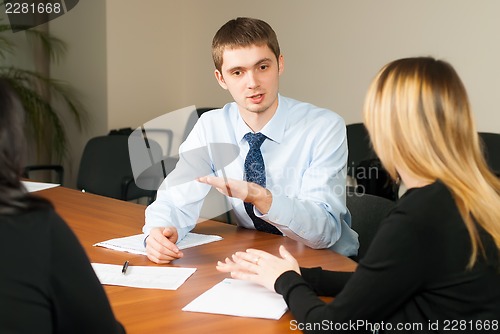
x=259, y=266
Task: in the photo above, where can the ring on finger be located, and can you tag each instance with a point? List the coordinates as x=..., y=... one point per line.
x=257, y=261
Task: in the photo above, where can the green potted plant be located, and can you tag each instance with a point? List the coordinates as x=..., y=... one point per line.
x=44, y=98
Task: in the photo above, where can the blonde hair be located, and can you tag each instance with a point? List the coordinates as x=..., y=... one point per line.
x=418, y=116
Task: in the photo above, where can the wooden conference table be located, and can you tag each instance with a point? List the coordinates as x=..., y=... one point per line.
x=95, y=218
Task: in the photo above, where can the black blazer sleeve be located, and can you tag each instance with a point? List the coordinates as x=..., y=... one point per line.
x=80, y=302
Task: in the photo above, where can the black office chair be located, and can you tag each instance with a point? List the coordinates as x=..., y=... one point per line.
x=193, y=118
x=55, y=173
x=171, y=158
x=360, y=149
x=367, y=211
x=491, y=147
x=227, y=217
x=105, y=169
x=364, y=167
x=201, y=111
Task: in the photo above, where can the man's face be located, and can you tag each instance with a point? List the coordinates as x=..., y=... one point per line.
x=251, y=75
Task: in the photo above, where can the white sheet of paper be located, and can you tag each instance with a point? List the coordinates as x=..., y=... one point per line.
x=37, y=186
x=167, y=278
x=135, y=243
x=239, y=298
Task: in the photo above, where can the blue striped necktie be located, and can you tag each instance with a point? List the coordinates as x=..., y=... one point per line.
x=255, y=171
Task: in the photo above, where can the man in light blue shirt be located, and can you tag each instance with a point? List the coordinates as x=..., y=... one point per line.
x=304, y=153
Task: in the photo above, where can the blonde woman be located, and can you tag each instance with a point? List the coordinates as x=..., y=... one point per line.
x=434, y=264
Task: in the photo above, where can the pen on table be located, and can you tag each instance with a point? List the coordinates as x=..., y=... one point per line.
x=125, y=267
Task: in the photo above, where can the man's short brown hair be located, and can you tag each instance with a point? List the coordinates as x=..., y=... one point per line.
x=243, y=32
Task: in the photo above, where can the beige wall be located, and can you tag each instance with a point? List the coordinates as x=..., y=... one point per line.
x=333, y=48
x=83, y=28
x=144, y=60
x=135, y=60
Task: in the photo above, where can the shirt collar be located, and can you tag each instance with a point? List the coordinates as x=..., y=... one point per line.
x=274, y=129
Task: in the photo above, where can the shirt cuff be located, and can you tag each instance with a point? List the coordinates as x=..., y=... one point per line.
x=181, y=231
x=276, y=214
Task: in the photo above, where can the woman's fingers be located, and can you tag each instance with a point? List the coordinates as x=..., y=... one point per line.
x=285, y=254
x=246, y=261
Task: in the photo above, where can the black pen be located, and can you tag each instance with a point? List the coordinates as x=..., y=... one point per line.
x=125, y=267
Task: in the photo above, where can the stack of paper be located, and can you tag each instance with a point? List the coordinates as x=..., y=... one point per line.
x=37, y=186
x=167, y=278
x=135, y=243
x=239, y=298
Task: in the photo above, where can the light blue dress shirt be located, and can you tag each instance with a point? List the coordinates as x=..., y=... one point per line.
x=305, y=157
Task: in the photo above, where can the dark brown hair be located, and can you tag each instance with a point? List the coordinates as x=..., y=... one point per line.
x=13, y=195
x=243, y=32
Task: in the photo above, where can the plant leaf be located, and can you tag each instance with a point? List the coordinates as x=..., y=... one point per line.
x=44, y=120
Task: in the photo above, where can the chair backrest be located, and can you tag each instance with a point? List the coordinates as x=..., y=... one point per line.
x=491, y=146
x=193, y=118
x=367, y=211
x=201, y=111
x=358, y=142
x=105, y=169
x=364, y=166
x=164, y=136
x=213, y=199
x=50, y=173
